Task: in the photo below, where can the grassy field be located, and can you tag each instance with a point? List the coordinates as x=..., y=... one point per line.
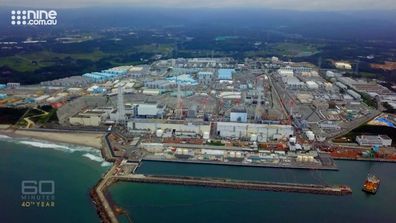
x=295, y=49
x=32, y=61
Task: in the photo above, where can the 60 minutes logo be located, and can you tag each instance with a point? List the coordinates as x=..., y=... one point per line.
x=38, y=193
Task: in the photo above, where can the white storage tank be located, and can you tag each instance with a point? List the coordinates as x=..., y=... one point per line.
x=159, y=132
x=253, y=137
x=293, y=140
x=206, y=135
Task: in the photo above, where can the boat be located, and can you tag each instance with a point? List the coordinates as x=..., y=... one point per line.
x=371, y=184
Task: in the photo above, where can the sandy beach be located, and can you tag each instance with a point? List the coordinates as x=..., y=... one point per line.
x=84, y=139
x=3, y=126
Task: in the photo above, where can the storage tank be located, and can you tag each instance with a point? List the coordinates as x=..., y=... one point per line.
x=253, y=137
x=293, y=140
x=232, y=154
x=206, y=135
x=238, y=154
x=299, y=158
x=185, y=151
x=179, y=151
x=159, y=132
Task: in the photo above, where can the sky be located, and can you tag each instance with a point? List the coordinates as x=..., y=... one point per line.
x=308, y=5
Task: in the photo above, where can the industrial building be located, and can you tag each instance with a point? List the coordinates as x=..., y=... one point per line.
x=238, y=115
x=160, y=84
x=149, y=110
x=88, y=118
x=293, y=83
x=104, y=75
x=286, y=72
x=73, y=81
x=312, y=85
x=371, y=140
x=205, y=77
x=13, y=85
x=343, y=65
x=174, y=126
x=225, y=74
x=183, y=79
x=263, y=132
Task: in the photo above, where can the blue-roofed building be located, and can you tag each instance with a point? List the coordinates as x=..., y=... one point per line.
x=29, y=100
x=205, y=77
x=105, y=75
x=183, y=79
x=2, y=86
x=225, y=74
x=3, y=96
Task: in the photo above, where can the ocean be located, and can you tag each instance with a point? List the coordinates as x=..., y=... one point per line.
x=74, y=170
x=171, y=203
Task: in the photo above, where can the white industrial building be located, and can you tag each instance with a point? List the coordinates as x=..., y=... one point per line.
x=238, y=115
x=293, y=83
x=370, y=140
x=154, y=125
x=88, y=118
x=343, y=65
x=286, y=72
x=312, y=85
x=149, y=110
x=354, y=94
x=264, y=132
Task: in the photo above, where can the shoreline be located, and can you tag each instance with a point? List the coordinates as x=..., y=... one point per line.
x=83, y=139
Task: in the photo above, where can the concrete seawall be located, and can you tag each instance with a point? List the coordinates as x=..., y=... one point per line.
x=236, y=184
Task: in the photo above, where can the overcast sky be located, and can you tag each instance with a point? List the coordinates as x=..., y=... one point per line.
x=275, y=4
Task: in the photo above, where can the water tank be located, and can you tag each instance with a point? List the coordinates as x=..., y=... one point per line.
x=253, y=137
x=206, y=135
x=159, y=132
x=299, y=158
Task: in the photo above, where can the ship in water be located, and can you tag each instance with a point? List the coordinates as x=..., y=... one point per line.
x=371, y=184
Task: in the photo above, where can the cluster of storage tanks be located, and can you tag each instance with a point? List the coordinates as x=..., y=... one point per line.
x=234, y=154
x=180, y=151
x=310, y=135
x=304, y=158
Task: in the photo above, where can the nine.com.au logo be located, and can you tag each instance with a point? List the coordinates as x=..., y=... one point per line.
x=34, y=17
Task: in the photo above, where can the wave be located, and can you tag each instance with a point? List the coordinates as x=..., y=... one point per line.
x=61, y=147
x=4, y=137
x=97, y=159
x=89, y=152
x=93, y=157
